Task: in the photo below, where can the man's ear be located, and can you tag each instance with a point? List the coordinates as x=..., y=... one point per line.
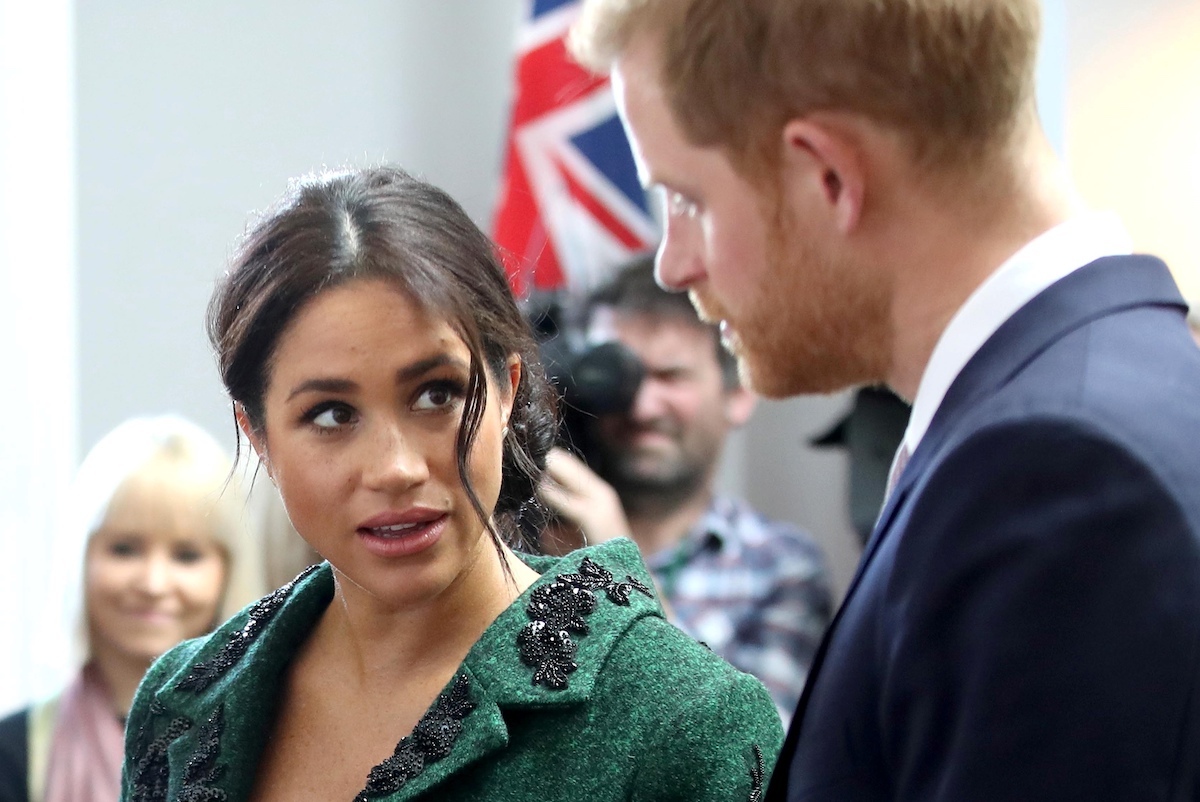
x=739, y=406
x=253, y=437
x=821, y=152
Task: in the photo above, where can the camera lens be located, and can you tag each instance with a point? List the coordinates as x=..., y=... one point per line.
x=603, y=379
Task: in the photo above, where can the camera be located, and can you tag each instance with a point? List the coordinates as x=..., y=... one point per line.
x=591, y=378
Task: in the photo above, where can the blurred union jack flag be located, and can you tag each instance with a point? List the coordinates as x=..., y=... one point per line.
x=571, y=207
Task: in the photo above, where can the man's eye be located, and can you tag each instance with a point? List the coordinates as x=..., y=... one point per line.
x=679, y=205
x=439, y=395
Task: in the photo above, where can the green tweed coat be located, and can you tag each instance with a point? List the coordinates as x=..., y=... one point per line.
x=579, y=691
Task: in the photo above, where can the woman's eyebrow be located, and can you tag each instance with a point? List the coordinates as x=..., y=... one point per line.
x=405, y=374
x=423, y=366
x=322, y=386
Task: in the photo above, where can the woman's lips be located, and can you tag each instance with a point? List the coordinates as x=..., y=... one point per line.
x=402, y=539
x=151, y=617
x=394, y=530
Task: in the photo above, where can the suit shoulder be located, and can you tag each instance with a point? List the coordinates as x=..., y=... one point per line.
x=1050, y=557
x=1070, y=451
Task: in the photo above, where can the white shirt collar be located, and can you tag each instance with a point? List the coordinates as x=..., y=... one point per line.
x=1049, y=257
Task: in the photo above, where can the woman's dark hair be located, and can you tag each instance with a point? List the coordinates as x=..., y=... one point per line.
x=383, y=223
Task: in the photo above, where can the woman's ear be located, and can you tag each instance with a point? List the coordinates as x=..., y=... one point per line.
x=257, y=442
x=514, y=381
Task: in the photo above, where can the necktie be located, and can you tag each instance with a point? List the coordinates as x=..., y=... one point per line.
x=894, y=474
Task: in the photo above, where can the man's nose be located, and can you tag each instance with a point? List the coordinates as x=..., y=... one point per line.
x=647, y=402
x=677, y=265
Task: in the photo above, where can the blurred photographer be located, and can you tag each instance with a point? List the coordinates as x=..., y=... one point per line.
x=755, y=591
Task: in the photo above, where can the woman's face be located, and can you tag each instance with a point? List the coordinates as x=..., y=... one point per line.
x=361, y=412
x=154, y=575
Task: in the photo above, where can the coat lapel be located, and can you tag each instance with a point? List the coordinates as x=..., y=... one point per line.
x=547, y=649
x=221, y=703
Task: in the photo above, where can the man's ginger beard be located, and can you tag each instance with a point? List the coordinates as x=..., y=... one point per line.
x=815, y=323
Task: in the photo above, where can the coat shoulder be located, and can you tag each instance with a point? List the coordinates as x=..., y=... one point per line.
x=717, y=732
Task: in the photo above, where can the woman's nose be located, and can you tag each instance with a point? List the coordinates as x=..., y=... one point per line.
x=394, y=461
x=154, y=576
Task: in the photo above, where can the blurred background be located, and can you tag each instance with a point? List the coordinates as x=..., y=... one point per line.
x=137, y=138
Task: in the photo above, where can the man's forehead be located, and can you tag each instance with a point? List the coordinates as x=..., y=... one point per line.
x=641, y=102
x=602, y=326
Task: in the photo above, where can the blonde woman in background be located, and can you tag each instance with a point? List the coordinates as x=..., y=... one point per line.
x=153, y=552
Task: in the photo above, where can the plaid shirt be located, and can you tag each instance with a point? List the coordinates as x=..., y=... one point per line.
x=754, y=591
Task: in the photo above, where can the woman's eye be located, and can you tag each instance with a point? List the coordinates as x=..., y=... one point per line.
x=188, y=555
x=331, y=416
x=123, y=548
x=438, y=396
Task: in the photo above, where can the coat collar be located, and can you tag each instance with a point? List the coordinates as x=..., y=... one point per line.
x=1104, y=287
x=511, y=659
x=546, y=649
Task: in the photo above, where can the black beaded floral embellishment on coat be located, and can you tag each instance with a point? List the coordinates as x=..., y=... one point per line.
x=559, y=609
x=150, y=775
x=757, y=775
x=205, y=673
x=431, y=740
x=202, y=769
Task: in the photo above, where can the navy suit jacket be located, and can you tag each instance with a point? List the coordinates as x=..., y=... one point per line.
x=1025, y=620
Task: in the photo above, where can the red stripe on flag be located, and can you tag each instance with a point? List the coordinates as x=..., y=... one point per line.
x=520, y=234
x=548, y=79
x=597, y=210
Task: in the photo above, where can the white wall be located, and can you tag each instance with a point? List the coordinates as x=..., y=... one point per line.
x=1134, y=123
x=772, y=465
x=37, y=313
